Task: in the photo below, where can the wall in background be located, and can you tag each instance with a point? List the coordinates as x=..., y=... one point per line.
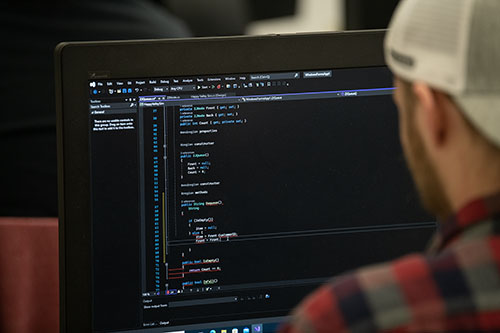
x=368, y=14
x=312, y=15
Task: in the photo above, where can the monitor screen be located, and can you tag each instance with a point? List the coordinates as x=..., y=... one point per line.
x=220, y=201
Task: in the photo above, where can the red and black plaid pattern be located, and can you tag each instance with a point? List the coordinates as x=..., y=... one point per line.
x=454, y=288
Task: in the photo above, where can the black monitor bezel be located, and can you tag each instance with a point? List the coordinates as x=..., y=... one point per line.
x=77, y=63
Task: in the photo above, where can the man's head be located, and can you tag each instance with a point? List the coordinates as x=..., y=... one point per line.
x=444, y=55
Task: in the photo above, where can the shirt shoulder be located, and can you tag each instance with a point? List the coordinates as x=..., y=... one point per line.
x=460, y=287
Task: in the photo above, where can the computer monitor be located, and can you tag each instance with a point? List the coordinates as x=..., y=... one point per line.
x=209, y=185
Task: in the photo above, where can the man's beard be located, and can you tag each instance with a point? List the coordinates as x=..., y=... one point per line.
x=429, y=186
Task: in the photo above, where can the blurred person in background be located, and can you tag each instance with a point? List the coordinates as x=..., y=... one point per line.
x=29, y=31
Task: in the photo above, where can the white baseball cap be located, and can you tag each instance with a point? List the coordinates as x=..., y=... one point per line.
x=454, y=46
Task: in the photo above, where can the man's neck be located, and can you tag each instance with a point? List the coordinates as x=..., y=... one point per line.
x=468, y=181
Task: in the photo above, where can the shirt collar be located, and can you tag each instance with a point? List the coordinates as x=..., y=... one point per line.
x=473, y=213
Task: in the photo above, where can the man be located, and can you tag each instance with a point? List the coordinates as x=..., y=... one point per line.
x=445, y=55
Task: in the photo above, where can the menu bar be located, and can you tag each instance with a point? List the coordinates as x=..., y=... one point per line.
x=200, y=84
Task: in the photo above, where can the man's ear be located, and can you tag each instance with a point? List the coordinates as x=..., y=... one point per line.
x=432, y=115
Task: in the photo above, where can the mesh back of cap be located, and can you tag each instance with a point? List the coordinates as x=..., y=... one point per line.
x=429, y=28
x=483, y=69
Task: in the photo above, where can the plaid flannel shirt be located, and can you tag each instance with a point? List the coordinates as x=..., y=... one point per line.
x=455, y=287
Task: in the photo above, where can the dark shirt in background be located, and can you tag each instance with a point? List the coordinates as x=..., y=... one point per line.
x=28, y=35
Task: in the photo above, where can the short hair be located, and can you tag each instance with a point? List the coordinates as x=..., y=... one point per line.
x=476, y=134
